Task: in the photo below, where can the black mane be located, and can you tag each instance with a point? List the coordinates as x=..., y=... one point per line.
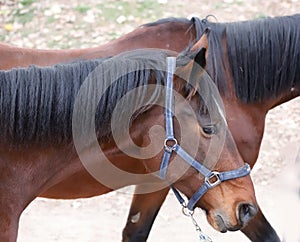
x=36, y=103
x=264, y=55
x=168, y=20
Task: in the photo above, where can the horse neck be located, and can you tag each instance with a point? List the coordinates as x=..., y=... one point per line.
x=170, y=34
x=285, y=97
x=164, y=35
x=12, y=56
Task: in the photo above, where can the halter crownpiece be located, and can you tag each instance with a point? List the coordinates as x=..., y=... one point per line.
x=211, y=178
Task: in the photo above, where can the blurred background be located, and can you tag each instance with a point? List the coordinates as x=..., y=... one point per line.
x=86, y=23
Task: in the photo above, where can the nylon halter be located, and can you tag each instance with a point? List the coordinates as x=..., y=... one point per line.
x=211, y=178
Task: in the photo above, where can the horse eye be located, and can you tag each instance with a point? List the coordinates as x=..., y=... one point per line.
x=209, y=129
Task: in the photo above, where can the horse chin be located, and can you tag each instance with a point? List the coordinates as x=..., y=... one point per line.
x=218, y=223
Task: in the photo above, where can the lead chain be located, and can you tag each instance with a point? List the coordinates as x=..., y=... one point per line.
x=202, y=236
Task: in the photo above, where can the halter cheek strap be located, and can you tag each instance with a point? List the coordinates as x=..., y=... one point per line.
x=211, y=178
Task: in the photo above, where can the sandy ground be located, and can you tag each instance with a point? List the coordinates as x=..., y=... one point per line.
x=276, y=175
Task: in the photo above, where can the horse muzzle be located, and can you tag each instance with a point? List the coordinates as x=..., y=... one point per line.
x=223, y=223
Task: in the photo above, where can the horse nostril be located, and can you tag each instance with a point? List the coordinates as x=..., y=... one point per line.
x=246, y=212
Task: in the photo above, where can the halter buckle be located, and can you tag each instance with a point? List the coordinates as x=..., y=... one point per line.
x=170, y=144
x=213, y=180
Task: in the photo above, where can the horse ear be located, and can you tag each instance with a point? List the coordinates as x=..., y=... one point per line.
x=201, y=47
x=199, y=62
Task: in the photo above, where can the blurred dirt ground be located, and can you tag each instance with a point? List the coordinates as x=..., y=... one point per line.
x=77, y=24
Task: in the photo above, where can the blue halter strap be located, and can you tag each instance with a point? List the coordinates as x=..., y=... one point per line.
x=211, y=178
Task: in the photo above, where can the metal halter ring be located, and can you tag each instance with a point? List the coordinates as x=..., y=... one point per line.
x=170, y=148
x=186, y=211
x=213, y=180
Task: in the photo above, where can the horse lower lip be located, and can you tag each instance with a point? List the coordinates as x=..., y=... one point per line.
x=222, y=226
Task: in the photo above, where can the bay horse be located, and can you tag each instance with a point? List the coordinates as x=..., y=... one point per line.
x=254, y=63
x=47, y=115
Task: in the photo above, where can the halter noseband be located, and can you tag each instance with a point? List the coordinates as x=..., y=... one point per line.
x=211, y=178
